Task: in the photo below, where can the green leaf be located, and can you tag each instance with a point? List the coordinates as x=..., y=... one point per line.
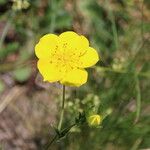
x=22, y=74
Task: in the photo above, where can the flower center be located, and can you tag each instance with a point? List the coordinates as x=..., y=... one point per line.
x=64, y=59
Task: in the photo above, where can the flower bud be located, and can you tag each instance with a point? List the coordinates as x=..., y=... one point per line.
x=94, y=120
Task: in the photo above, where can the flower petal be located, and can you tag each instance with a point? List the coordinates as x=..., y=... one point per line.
x=68, y=40
x=75, y=77
x=49, y=71
x=68, y=36
x=82, y=45
x=74, y=43
x=46, y=45
x=90, y=58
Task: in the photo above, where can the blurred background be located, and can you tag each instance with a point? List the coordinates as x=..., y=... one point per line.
x=118, y=86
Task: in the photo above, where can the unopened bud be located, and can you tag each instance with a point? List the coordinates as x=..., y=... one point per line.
x=94, y=120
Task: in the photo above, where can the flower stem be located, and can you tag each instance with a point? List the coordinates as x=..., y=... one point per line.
x=62, y=110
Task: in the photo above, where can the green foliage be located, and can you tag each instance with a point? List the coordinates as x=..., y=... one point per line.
x=22, y=74
x=118, y=86
x=9, y=49
x=2, y=1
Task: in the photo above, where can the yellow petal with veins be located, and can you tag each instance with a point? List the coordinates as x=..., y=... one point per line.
x=68, y=36
x=73, y=42
x=76, y=77
x=46, y=45
x=49, y=71
x=89, y=59
x=83, y=45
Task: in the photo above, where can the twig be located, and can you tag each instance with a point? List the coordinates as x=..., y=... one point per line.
x=12, y=94
x=19, y=112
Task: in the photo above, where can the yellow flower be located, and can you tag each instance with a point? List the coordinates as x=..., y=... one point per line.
x=94, y=120
x=63, y=58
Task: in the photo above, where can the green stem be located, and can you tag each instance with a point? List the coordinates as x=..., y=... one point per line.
x=138, y=98
x=108, y=69
x=53, y=6
x=56, y=137
x=62, y=111
x=142, y=24
x=51, y=142
x=113, y=24
x=6, y=28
